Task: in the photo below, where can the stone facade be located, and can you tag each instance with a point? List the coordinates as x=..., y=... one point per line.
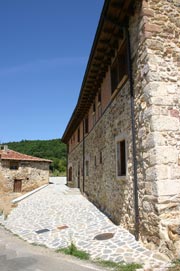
x=156, y=68
x=32, y=174
x=155, y=46
x=22, y=173
x=101, y=185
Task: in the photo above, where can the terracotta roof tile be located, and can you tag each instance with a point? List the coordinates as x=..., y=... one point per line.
x=13, y=155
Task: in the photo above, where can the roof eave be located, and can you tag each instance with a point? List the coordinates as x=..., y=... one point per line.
x=76, y=116
x=64, y=137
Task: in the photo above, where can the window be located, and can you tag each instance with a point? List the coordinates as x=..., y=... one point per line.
x=94, y=118
x=87, y=168
x=99, y=111
x=121, y=158
x=100, y=157
x=78, y=135
x=70, y=175
x=99, y=108
x=95, y=162
x=119, y=68
x=99, y=96
x=86, y=125
x=94, y=107
x=14, y=165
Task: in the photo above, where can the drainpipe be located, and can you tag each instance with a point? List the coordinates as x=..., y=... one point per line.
x=135, y=188
x=67, y=163
x=83, y=153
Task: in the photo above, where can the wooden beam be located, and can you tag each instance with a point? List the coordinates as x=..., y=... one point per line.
x=93, y=68
x=117, y=5
x=98, y=58
x=104, y=41
x=96, y=65
x=112, y=21
x=91, y=75
x=107, y=31
x=100, y=50
x=111, y=53
x=93, y=71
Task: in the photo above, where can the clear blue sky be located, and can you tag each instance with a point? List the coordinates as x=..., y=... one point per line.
x=44, y=49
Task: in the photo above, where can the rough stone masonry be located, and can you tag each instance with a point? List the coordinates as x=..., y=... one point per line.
x=155, y=46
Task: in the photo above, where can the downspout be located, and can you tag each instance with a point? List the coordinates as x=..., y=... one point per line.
x=83, y=154
x=67, y=163
x=135, y=187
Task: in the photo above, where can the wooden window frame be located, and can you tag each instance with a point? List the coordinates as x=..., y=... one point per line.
x=86, y=125
x=99, y=97
x=94, y=107
x=99, y=111
x=119, y=68
x=78, y=135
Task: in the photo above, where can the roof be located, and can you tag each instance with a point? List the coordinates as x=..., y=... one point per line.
x=109, y=31
x=13, y=155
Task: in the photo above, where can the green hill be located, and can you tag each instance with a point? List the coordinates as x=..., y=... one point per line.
x=53, y=149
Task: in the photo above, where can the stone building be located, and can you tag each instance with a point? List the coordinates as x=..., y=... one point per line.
x=124, y=134
x=21, y=172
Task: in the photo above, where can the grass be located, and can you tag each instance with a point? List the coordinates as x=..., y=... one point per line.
x=119, y=266
x=175, y=266
x=72, y=250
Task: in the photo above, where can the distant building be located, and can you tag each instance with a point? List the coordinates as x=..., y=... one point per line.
x=124, y=135
x=22, y=172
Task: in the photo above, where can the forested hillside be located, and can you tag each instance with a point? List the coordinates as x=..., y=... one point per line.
x=50, y=149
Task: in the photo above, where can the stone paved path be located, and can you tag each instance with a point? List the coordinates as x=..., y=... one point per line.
x=70, y=217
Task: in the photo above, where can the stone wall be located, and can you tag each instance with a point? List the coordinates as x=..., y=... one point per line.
x=156, y=65
x=32, y=174
x=154, y=31
x=111, y=194
x=75, y=161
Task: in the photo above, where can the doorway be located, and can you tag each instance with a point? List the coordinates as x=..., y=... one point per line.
x=70, y=175
x=17, y=186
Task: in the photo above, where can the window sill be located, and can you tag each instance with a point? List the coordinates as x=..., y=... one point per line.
x=121, y=178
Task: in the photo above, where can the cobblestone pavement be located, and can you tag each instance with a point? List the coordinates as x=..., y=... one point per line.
x=66, y=216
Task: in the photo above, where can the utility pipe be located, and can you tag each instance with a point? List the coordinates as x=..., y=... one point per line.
x=135, y=187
